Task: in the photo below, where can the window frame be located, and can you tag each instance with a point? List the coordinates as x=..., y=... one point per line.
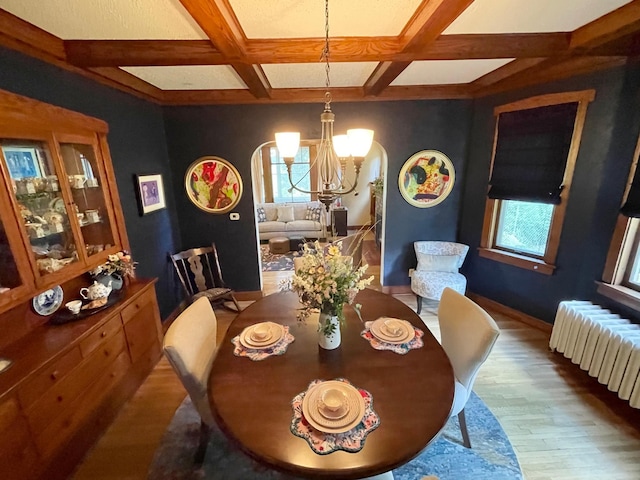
x=545, y=264
x=266, y=168
x=622, y=250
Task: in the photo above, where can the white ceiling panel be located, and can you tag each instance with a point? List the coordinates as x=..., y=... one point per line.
x=311, y=75
x=529, y=16
x=189, y=77
x=305, y=18
x=445, y=72
x=108, y=19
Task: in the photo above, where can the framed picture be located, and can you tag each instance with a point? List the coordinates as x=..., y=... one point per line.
x=150, y=193
x=213, y=184
x=426, y=179
x=22, y=162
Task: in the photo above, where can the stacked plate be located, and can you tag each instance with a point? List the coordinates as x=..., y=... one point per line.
x=392, y=330
x=329, y=415
x=261, y=335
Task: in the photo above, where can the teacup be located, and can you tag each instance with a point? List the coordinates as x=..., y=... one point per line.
x=74, y=306
x=77, y=181
x=393, y=327
x=92, y=216
x=261, y=331
x=333, y=402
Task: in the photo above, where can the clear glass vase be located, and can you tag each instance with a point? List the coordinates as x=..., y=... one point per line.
x=333, y=339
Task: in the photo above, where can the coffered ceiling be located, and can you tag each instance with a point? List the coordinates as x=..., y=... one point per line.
x=262, y=51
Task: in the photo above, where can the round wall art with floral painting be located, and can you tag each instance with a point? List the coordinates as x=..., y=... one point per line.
x=426, y=178
x=213, y=184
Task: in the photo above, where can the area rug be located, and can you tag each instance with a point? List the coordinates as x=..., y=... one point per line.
x=491, y=458
x=274, y=262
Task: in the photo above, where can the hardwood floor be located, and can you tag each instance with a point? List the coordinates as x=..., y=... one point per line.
x=561, y=422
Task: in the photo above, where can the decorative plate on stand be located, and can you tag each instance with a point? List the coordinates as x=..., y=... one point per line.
x=48, y=301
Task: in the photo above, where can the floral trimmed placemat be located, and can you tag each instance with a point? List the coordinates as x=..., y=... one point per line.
x=257, y=354
x=324, y=443
x=401, y=348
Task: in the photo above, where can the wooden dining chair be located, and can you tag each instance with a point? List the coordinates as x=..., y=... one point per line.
x=199, y=272
x=468, y=334
x=190, y=347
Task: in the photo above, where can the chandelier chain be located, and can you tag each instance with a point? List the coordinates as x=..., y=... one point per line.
x=325, y=51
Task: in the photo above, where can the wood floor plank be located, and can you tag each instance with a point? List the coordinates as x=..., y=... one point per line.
x=563, y=425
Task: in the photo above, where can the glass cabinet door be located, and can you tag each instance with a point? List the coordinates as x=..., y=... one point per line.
x=43, y=213
x=87, y=183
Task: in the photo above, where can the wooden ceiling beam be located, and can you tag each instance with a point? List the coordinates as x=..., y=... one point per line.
x=621, y=22
x=313, y=95
x=431, y=18
x=15, y=28
x=549, y=70
x=124, y=53
x=219, y=22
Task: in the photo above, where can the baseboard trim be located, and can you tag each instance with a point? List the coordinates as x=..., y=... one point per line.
x=396, y=289
x=248, y=296
x=511, y=312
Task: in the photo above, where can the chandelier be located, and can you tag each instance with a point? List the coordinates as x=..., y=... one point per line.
x=334, y=153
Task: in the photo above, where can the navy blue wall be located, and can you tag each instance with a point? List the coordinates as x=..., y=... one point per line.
x=234, y=132
x=602, y=166
x=137, y=144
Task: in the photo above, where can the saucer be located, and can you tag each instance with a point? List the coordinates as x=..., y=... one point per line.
x=354, y=410
x=379, y=331
x=274, y=337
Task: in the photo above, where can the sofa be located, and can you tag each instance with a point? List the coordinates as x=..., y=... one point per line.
x=302, y=219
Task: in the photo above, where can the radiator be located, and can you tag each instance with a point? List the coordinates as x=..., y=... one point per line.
x=601, y=343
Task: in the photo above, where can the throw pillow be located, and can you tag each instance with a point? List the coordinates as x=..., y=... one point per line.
x=437, y=263
x=313, y=213
x=285, y=214
x=262, y=215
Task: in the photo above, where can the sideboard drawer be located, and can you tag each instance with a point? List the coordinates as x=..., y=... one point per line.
x=138, y=304
x=17, y=453
x=101, y=335
x=55, y=436
x=48, y=376
x=58, y=398
x=141, y=331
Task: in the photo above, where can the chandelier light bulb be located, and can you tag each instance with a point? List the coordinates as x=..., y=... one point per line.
x=341, y=145
x=288, y=143
x=360, y=140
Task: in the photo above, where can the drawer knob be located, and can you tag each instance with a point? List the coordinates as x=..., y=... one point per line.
x=54, y=375
x=103, y=334
x=60, y=398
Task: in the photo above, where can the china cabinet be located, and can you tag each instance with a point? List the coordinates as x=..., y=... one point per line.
x=58, y=215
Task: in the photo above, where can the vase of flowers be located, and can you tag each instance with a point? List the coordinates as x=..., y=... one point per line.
x=117, y=267
x=326, y=281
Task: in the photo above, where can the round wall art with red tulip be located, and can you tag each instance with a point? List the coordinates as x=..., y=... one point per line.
x=213, y=184
x=426, y=178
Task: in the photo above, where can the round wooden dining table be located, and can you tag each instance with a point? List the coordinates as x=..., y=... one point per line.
x=251, y=400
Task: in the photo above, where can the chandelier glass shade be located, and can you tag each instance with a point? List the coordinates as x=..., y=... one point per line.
x=334, y=153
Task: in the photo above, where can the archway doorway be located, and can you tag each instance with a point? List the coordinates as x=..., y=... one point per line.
x=364, y=208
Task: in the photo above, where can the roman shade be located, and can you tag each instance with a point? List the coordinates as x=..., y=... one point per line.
x=631, y=207
x=531, y=153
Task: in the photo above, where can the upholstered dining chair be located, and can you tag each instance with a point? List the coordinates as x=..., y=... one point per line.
x=468, y=334
x=437, y=269
x=190, y=347
x=199, y=272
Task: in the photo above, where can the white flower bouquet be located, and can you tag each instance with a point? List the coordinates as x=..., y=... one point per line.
x=326, y=281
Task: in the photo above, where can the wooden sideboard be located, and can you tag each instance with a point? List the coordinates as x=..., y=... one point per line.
x=67, y=383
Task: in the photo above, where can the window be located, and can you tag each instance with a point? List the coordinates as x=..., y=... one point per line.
x=535, y=148
x=621, y=276
x=276, y=179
